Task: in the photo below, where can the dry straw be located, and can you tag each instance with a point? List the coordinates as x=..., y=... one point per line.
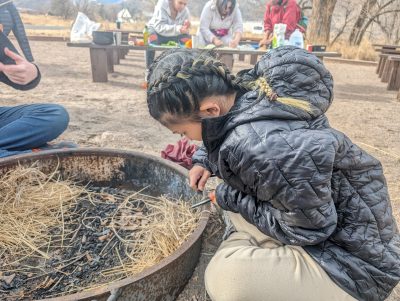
x=161, y=231
x=32, y=203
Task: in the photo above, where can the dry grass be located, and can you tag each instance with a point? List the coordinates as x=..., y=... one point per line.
x=31, y=203
x=33, y=19
x=363, y=52
x=47, y=20
x=164, y=228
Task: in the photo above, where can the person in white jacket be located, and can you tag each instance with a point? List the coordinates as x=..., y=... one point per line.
x=221, y=24
x=170, y=22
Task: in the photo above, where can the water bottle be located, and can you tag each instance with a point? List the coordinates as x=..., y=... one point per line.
x=296, y=39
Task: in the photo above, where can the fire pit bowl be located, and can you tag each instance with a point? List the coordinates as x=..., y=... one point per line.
x=130, y=170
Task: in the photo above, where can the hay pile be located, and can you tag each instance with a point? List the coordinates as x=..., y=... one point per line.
x=42, y=220
x=32, y=203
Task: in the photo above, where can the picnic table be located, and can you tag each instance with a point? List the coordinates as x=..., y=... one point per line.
x=383, y=47
x=389, y=65
x=104, y=57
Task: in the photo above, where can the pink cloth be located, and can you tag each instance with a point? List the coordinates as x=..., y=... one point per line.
x=180, y=153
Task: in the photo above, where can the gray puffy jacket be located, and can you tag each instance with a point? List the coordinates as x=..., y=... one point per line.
x=300, y=181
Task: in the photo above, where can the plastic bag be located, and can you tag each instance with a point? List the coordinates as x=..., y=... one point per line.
x=82, y=29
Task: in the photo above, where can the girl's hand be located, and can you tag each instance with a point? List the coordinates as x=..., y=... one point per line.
x=233, y=44
x=184, y=30
x=217, y=42
x=186, y=23
x=198, y=177
x=22, y=73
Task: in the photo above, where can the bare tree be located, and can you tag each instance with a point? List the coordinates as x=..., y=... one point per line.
x=321, y=19
x=362, y=18
x=346, y=10
x=390, y=25
x=370, y=14
x=62, y=8
x=85, y=6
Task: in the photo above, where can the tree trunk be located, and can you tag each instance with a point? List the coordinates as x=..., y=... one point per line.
x=320, y=23
x=356, y=32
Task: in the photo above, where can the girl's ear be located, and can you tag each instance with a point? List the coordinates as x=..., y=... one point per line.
x=210, y=109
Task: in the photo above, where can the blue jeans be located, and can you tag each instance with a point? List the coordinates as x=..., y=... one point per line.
x=30, y=126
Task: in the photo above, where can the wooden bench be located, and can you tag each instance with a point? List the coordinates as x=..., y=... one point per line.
x=103, y=58
x=384, y=49
x=385, y=65
x=394, y=73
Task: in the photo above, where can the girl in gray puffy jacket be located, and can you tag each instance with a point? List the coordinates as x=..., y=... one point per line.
x=311, y=209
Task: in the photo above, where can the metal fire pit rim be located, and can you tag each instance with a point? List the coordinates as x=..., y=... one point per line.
x=107, y=288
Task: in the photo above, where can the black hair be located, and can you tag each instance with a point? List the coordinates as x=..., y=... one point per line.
x=221, y=4
x=179, y=79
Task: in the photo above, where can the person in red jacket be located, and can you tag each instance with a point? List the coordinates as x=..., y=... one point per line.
x=281, y=11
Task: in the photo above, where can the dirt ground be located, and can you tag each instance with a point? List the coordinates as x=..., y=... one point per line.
x=114, y=115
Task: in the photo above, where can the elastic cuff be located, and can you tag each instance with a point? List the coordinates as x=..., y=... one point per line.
x=34, y=82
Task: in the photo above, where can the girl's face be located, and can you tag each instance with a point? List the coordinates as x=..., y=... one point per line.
x=190, y=129
x=179, y=5
x=210, y=107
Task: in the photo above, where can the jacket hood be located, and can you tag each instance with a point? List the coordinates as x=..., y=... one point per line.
x=291, y=72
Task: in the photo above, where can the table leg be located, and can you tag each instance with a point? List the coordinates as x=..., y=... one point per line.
x=110, y=61
x=253, y=59
x=98, y=61
x=116, y=56
x=121, y=54
x=227, y=59
x=379, y=65
x=387, y=70
x=241, y=57
x=384, y=61
x=394, y=80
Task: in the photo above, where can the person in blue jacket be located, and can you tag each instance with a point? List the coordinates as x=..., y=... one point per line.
x=24, y=127
x=311, y=209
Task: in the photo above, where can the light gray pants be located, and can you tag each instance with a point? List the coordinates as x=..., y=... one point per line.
x=250, y=266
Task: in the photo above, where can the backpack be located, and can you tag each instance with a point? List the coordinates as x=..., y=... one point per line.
x=303, y=22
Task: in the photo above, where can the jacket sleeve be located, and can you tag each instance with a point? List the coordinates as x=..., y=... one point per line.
x=29, y=86
x=19, y=33
x=237, y=21
x=205, y=24
x=200, y=157
x=287, y=197
x=291, y=16
x=267, y=19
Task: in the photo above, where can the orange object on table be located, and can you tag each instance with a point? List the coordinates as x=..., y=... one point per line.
x=188, y=44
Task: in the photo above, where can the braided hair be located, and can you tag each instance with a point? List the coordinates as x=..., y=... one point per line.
x=180, y=79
